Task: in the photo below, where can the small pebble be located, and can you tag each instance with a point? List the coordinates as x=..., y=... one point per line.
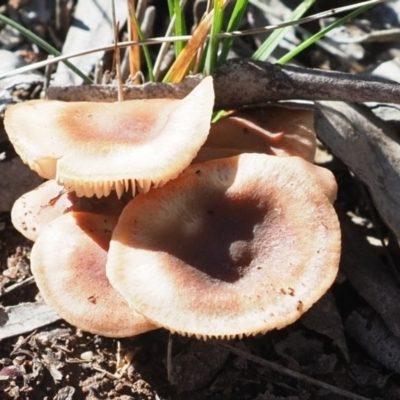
x=87, y=355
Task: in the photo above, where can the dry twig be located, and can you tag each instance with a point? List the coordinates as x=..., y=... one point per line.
x=288, y=372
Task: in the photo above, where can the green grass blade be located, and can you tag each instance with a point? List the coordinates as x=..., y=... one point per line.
x=217, y=115
x=180, y=25
x=146, y=52
x=274, y=39
x=213, y=43
x=44, y=45
x=175, y=9
x=171, y=10
x=233, y=25
x=321, y=34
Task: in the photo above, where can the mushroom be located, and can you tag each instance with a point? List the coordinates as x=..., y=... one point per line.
x=93, y=148
x=68, y=262
x=275, y=130
x=232, y=247
x=34, y=210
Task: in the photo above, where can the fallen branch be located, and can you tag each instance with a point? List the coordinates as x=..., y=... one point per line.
x=241, y=82
x=238, y=82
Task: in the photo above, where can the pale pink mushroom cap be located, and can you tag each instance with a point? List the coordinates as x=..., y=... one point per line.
x=68, y=262
x=232, y=247
x=34, y=210
x=275, y=130
x=93, y=148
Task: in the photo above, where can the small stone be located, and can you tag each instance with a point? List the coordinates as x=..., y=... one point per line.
x=87, y=355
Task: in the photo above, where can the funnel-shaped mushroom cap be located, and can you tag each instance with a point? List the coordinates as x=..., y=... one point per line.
x=232, y=247
x=34, y=210
x=93, y=148
x=271, y=130
x=68, y=262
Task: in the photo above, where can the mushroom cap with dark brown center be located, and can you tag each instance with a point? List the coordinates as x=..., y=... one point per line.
x=93, y=148
x=232, y=247
x=68, y=262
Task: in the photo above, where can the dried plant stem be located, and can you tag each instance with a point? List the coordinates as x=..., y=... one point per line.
x=169, y=359
x=17, y=285
x=117, y=55
x=134, y=51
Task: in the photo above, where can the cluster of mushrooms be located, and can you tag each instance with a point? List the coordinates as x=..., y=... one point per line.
x=151, y=219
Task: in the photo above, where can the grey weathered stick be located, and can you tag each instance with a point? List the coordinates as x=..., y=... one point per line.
x=370, y=148
x=238, y=82
x=108, y=93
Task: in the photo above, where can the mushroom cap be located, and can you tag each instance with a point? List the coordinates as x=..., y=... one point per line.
x=232, y=247
x=68, y=262
x=34, y=210
x=274, y=130
x=93, y=148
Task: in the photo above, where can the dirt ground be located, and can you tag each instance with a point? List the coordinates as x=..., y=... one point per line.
x=340, y=349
